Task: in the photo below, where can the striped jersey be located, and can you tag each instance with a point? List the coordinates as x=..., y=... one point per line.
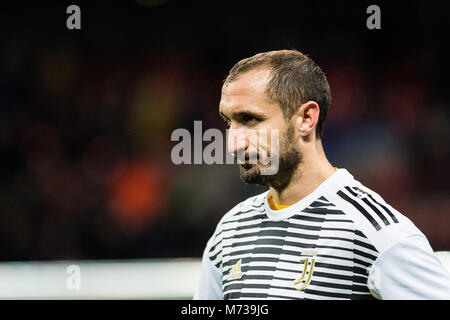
x=343, y=241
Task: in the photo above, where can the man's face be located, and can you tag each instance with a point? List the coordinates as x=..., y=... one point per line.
x=248, y=111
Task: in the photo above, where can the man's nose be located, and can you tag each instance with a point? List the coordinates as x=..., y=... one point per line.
x=238, y=141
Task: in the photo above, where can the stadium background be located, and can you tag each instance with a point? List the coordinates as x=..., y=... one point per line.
x=86, y=117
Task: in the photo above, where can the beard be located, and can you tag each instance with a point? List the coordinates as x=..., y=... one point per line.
x=289, y=159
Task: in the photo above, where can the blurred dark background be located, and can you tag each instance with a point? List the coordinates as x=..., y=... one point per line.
x=86, y=116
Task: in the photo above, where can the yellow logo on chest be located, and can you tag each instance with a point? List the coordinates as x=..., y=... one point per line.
x=308, y=259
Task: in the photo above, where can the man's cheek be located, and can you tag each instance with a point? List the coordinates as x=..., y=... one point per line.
x=270, y=155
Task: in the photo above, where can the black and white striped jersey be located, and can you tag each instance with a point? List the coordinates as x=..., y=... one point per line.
x=343, y=241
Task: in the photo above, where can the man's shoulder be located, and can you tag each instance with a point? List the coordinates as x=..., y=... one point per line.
x=380, y=222
x=250, y=207
x=252, y=204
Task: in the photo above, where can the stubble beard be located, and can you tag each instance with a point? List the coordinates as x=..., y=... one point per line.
x=289, y=160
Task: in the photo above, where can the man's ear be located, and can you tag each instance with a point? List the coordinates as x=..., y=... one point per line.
x=306, y=118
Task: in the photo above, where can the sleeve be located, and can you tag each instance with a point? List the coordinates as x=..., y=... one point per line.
x=409, y=270
x=210, y=284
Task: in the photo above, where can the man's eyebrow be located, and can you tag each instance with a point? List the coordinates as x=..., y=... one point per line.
x=247, y=114
x=241, y=114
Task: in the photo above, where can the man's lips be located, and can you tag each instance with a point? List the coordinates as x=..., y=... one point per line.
x=248, y=160
x=247, y=166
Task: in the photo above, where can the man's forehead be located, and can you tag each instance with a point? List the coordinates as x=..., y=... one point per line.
x=252, y=81
x=246, y=91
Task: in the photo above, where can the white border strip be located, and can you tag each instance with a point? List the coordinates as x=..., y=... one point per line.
x=126, y=279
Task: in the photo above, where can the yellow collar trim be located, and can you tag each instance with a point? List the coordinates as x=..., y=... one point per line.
x=275, y=206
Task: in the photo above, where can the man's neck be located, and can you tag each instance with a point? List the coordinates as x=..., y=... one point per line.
x=311, y=172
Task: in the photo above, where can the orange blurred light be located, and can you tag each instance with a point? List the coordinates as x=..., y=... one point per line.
x=136, y=197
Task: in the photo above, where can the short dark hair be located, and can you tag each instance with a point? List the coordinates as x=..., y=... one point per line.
x=295, y=79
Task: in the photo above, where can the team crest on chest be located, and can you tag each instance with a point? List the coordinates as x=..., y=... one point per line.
x=308, y=258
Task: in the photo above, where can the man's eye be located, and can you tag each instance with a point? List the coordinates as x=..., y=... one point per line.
x=249, y=119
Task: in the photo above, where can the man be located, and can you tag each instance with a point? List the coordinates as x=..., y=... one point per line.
x=317, y=233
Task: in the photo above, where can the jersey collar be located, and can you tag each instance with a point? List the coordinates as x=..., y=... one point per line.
x=336, y=181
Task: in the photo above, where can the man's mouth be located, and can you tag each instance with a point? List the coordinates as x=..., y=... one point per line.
x=247, y=165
